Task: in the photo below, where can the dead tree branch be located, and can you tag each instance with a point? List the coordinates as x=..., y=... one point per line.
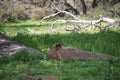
x=79, y=21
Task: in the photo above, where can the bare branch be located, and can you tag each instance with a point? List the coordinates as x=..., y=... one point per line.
x=68, y=13
x=59, y=11
x=46, y=17
x=78, y=21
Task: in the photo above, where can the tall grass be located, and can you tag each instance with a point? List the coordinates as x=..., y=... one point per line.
x=104, y=42
x=25, y=66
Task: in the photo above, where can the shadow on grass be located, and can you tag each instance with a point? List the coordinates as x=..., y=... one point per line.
x=104, y=42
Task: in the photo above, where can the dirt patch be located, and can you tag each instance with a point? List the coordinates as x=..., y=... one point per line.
x=30, y=76
x=48, y=78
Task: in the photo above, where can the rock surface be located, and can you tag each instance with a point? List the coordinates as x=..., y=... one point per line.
x=9, y=47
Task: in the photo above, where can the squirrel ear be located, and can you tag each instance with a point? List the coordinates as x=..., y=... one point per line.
x=58, y=46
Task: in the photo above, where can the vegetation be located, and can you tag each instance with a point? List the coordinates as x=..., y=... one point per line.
x=25, y=66
x=12, y=10
x=31, y=66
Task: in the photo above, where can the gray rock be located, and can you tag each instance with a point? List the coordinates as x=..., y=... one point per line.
x=9, y=47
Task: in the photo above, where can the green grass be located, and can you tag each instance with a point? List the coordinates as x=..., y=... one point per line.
x=12, y=29
x=25, y=66
x=34, y=66
x=103, y=42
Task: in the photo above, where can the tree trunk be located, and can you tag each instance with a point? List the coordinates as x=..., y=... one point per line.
x=94, y=3
x=70, y=8
x=84, y=6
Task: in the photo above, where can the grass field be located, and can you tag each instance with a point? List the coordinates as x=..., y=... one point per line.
x=25, y=66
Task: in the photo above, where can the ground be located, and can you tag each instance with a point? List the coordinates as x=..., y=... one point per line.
x=15, y=67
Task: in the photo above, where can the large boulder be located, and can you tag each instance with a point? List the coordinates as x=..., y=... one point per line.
x=9, y=47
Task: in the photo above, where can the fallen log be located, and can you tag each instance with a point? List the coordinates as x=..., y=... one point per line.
x=77, y=21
